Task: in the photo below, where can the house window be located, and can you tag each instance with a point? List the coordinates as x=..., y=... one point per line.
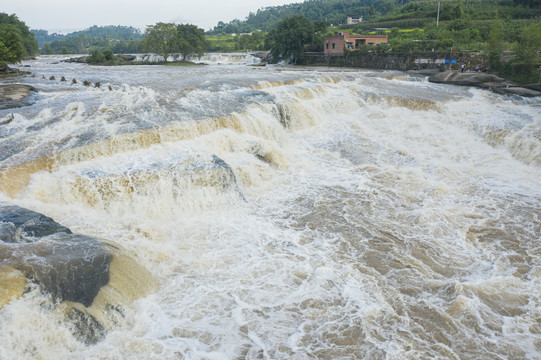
x=327, y=46
x=333, y=45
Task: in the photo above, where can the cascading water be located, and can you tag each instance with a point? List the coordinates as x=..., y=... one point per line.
x=210, y=59
x=277, y=212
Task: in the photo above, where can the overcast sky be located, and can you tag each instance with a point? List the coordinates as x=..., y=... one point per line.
x=65, y=16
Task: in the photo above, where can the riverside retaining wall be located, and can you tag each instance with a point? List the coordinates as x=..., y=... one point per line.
x=386, y=61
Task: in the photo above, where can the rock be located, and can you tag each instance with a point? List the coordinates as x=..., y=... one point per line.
x=29, y=224
x=95, y=281
x=122, y=57
x=69, y=266
x=426, y=72
x=484, y=81
x=79, y=59
x=15, y=95
x=464, y=79
x=521, y=91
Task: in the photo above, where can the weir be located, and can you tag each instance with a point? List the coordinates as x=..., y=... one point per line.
x=281, y=212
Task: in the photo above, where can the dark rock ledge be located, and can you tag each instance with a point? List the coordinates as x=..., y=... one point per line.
x=481, y=80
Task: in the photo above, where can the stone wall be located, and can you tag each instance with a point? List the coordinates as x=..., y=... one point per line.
x=384, y=61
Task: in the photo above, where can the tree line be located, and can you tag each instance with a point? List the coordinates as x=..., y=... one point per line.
x=16, y=40
x=119, y=39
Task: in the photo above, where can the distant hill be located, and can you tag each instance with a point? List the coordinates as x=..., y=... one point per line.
x=110, y=32
x=384, y=13
x=333, y=11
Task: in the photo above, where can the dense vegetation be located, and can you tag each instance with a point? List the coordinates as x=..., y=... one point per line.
x=332, y=11
x=168, y=38
x=380, y=13
x=119, y=39
x=16, y=40
x=288, y=40
x=506, y=32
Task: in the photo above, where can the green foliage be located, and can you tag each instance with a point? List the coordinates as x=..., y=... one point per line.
x=162, y=39
x=11, y=45
x=222, y=43
x=47, y=49
x=120, y=39
x=253, y=41
x=191, y=39
x=108, y=55
x=332, y=11
x=321, y=26
x=528, y=3
x=96, y=57
x=524, y=66
x=290, y=37
x=167, y=38
x=495, y=46
x=16, y=40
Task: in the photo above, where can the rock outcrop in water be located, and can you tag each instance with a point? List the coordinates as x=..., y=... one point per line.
x=481, y=80
x=68, y=266
x=93, y=279
x=15, y=95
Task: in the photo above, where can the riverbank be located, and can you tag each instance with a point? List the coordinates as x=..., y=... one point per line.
x=437, y=66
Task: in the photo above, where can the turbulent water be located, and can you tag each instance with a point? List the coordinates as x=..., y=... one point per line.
x=281, y=213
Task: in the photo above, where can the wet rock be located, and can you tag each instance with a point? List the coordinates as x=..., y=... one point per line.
x=89, y=330
x=79, y=59
x=483, y=80
x=521, y=91
x=15, y=95
x=464, y=79
x=68, y=266
x=28, y=224
x=122, y=57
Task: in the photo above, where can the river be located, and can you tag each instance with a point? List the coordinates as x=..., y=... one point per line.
x=278, y=213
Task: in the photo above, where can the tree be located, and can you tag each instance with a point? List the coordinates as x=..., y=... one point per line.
x=525, y=64
x=11, y=45
x=47, y=49
x=108, y=55
x=290, y=37
x=320, y=26
x=16, y=40
x=191, y=40
x=495, y=46
x=162, y=39
x=96, y=57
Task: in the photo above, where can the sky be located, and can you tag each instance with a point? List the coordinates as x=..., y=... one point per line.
x=64, y=16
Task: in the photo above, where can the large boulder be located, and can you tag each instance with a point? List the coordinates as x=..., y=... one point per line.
x=94, y=280
x=69, y=266
x=483, y=80
x=465, y=79
x=15, y=95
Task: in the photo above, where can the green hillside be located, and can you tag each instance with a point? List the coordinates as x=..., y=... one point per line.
x=332, y=11
x=385, y=13
x=117, y=38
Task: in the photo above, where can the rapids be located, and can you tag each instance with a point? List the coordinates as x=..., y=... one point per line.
x=275, y=212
